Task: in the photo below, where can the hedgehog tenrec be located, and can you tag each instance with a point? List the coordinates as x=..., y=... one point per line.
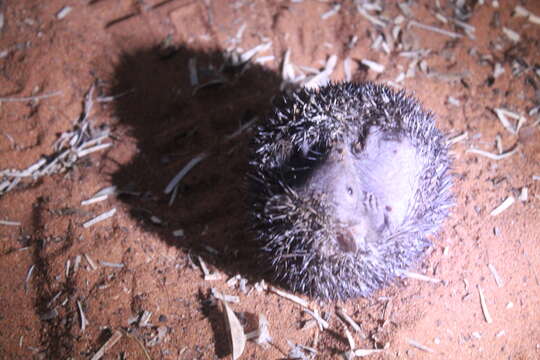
x=346, y=183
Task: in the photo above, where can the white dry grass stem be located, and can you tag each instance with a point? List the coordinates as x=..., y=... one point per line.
x=483, y=304
x=30, y=98
x=180, y=175
x=511, y=34
x=261, y=336
x=116, y=336
x=504, y=114
x=28, y=277
x=322, y=77
x=237, y=338
x=99, y=218
x=496, y=276
x=503, y=206
x=491, y=155
x=366, y=352
x=10, y=223
x=524, y=194
x=458, y=138
x=323, y=324
x=84, y=320
x=90, y=262
x=350, y=339
x=331, y=12
x=208, y=276
x=348, y=320
x=372, y=65
x=420, y=346
x=224, y=297
x=413, y=275
x=247, y=55
x=94, y=200
x=435, y=29
x=63, y=12
x=290, y=297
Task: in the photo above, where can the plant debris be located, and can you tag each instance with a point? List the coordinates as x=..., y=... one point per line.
x=435, y=29
x=300, y=352
x=503, y=206
x=413, y=275
x=207, y=275
x=72, y=145
x=290, y=297
x=496, y=276
x=491, y=155
x=504, y=114
x=116, y=336
x=225, y=298
x=10, y=223
x=63, y=12
x=261, y=336
x=84, y=321
x=323, y=324
x=183, y=172
x=419, y=346
x=485, y=310
x=100, y=218
x=237, y=338
x=349, y=321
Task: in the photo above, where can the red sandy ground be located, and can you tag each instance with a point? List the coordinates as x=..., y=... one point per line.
x=159, y=126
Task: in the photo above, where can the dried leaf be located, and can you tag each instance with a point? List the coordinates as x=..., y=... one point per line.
x=237, y=337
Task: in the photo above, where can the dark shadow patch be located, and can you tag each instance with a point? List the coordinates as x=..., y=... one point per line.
x=172, y=124
x=57, y=337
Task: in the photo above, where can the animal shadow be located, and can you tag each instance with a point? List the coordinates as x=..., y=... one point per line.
x=175, y=121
